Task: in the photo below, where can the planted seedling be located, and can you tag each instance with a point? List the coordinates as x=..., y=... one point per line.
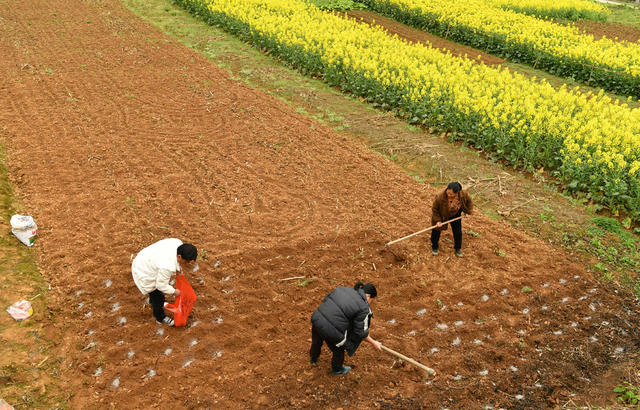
x=627, y=394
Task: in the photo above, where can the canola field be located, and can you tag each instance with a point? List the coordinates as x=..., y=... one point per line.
x=561, y=50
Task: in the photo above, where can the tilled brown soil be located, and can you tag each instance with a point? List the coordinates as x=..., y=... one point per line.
x=614, y=31
x=118, y=136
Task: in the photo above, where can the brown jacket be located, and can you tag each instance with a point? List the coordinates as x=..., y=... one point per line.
x=440, y=208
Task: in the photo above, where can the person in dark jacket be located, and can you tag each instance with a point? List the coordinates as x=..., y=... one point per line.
x=449, y=204
x=342, y=321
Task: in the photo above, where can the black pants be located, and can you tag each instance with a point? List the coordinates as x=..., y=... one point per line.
x=456, y=227
x=157, y=303
x=316, y=343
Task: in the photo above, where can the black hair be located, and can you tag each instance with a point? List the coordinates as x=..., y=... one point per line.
x=188, y=252
x=368, y=288
x=454, y=186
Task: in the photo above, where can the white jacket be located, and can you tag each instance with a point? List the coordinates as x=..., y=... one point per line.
x=154, y=266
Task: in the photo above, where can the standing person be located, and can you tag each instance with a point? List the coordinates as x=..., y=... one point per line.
x=153, y=268
x=449, y=204
x=342, y=321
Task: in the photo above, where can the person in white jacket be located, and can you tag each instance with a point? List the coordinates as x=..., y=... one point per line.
x=153, y=268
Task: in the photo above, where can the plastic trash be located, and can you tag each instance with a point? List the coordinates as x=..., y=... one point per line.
x=181, y=308
x=5, y=406
x=20, y=310
x=24, y=228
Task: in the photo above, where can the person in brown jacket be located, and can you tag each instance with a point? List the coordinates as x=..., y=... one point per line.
x=449, y=204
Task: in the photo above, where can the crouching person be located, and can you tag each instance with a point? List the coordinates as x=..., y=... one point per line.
x=155, y=265
x=342, y=321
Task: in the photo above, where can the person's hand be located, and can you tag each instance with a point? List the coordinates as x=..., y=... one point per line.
x=375, y=343
x=438, y=224
x=176, y=293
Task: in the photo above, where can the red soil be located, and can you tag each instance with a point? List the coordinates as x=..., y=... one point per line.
x=610, y=30
x=118, y=136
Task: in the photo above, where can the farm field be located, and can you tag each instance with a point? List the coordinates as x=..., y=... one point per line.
x=117, y=135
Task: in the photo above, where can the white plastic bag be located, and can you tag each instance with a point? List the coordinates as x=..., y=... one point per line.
x=20, y=310
x=24, y=228
x=4, y=405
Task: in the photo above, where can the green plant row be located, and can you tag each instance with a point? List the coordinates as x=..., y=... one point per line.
x=560, y=50
x=337, y=5
x=559, y=9
x=590, y=143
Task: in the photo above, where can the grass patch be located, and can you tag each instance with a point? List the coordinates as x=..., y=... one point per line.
x=617, y=250
x=28, y=367
x=624, y=15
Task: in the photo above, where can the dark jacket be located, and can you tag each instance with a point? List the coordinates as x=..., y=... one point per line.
x=440, y=207
x=343, y=318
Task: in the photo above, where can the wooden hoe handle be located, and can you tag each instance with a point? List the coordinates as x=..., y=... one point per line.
x=422, y=231
x=429, y=370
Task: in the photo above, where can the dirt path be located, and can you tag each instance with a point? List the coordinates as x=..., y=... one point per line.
x=418, y=36
x=118, y=136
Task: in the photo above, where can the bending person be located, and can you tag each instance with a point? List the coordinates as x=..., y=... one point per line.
x=449, y=204
x=155, y=265
x=342, y=321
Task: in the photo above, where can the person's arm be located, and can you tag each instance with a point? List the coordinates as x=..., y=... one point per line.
x=435, y=213
x=361, y=324
x=162, y=282
x=468, y=203
x=375, y=343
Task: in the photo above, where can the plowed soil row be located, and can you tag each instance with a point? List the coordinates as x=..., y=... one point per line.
x=118, y=136
x=611, y=30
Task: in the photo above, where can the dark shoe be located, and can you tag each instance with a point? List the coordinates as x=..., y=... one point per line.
x=459, y=253
x=434, y=251
x=166, y=321
x=344, y=370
